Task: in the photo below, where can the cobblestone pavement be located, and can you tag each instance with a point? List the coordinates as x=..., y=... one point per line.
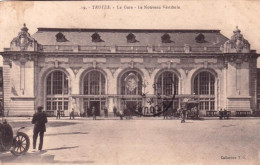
x=144, y=141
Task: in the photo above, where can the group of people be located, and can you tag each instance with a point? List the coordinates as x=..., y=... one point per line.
x=223, y=114
x=72, y=114
x=93, y=112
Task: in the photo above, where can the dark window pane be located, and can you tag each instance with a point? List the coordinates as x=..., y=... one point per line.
x=94, y=83
x=165, y=82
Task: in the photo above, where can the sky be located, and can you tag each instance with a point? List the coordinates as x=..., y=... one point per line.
x=192, y=14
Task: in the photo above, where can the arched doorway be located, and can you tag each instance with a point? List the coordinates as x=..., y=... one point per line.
x=204, y=87
x=57, y=93
x=94, y=83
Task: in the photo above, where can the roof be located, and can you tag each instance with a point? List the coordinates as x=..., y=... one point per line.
x=47, y=36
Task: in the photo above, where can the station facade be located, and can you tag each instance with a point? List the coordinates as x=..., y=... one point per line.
x=60, y=68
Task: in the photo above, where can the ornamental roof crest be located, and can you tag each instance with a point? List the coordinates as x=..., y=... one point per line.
x=237, y=42
x=23, y=42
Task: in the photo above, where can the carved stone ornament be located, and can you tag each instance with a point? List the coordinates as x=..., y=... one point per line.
x=132, y=64
x=238, y=59
x=150, y=70
x=23, y=41
x=56, y=63
x=113, y=70
x=187, y=69
x=94, y=64
x=237, y=42
x=75, y=70
x=131, y=82
x=187, y=48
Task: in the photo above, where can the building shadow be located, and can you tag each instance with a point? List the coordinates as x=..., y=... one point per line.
x=74, y=162
x=60, y=148
x=66, y=133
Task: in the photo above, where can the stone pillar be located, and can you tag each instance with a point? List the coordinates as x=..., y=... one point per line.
x=110, y=104
x=238, y=98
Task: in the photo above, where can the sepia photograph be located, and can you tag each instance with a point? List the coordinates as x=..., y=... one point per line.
x=130, y=82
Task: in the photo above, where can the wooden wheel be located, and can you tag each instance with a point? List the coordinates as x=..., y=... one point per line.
x=21, y=144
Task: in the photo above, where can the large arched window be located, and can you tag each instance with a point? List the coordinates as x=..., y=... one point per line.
x=164, y=86
x=94, y=83
x=204, y=86
x=165, y=83
x=57, y=91
x=131, y=83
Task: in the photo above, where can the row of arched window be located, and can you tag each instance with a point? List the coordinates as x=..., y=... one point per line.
x=130, y=83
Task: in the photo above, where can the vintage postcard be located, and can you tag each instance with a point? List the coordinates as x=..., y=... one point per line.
x=130, y=82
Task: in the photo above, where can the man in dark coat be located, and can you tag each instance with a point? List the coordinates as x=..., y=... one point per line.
x=58, y=114
x=94, y=112
x=39, y=120
x=72, y=114
x=184, y=113
x=106, y=112
x=115, y=111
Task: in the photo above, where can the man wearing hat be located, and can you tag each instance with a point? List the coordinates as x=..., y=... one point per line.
x=39, y=120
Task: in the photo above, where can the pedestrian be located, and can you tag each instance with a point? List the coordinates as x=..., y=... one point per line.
x=152, y=110
x=140, y=109
x=115, y=111
x=165, y=114
x=72, y=114
x=121, y=114
x=85, y=113
x=197, y=112
x=183, y=112
x=225, y=114
x=39, y=120
x=58, y=114
x=88, y=112
x=106, y=112
x=220, y=114
x=1, y=111
x=94, y=113
x=183, y=115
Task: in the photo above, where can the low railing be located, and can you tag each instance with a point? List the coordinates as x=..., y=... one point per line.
x=127, y=49
x=86, y=48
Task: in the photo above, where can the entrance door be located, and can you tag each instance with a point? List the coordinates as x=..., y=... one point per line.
x=95, y=104
x=131, y=105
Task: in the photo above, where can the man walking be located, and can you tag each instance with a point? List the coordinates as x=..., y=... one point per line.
x=58, y=114
x=183, y=115
x=94, y=113
x=115, y=111
x=39, y=120
x=72, y=114
x=106, y=112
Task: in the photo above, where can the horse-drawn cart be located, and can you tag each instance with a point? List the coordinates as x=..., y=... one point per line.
x=17, y=144
x=192, y=107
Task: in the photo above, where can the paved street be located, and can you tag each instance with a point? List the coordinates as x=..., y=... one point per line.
x=144, y=141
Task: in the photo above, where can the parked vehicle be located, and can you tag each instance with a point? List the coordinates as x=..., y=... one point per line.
x=18, y=143
x=192, y=107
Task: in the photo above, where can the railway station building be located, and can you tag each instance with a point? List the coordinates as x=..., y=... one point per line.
x=65, y=68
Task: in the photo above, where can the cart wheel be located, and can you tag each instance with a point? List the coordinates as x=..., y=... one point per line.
x=21, y=144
